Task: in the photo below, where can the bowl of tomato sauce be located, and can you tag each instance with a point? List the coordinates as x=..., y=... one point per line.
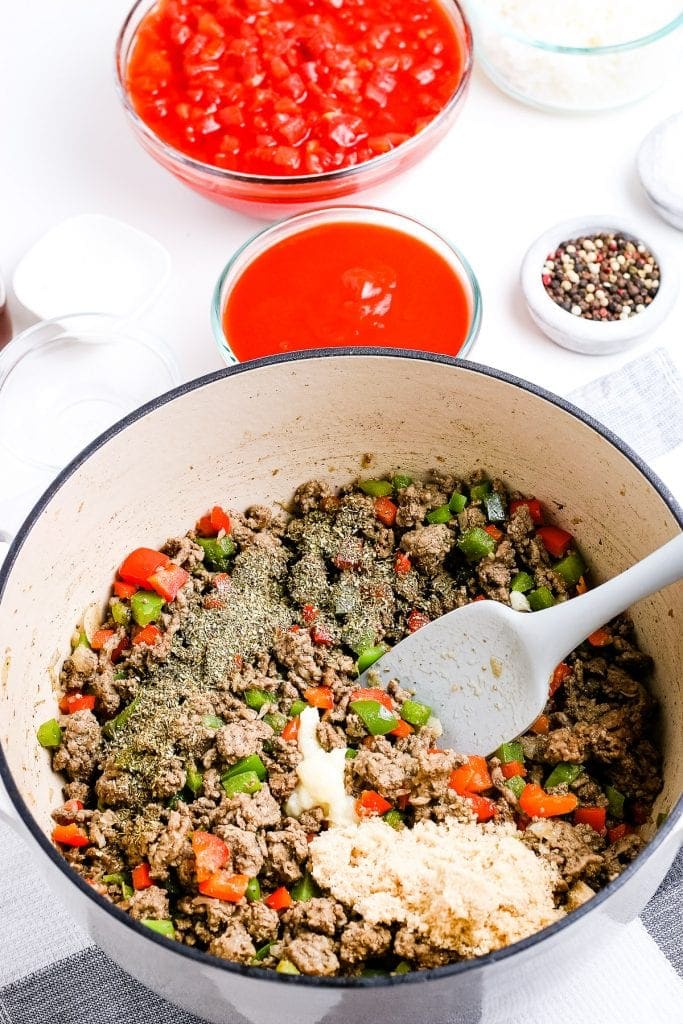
x=260, y=103
x=345, y=276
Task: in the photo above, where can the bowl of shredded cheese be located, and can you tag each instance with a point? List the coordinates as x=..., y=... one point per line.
x=577, y=57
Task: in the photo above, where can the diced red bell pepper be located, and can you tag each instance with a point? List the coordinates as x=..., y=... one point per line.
x=512, y=768
x=535, y=802
x=221, y=885
x=168, y=579
x=472, y=777
x=309, y=613
x=637, y=812
x=534, y=506
x=73, y=806
x=373, y=693
x=402, y=730
x=484, y=808
x=370, y=803
x=619, y=831
x=213, y=522
x=541, y=726
x=291, y=730
x=320, y=634
x=279, y=900
x=141, y=564
x=416, y=620
x=557, y=542
x=479, y=597
x=100, y=637
x=385, y=511
x=402, y=564
x=494, y=532
x=73, y=702
x=600, y=638
x=562, y=671
x=125, y=590
x=211, y=854
x=148, y=635
x=581, y=586
x=70, y=835
x=141, y=877
x=319, y=697
x=596, y=817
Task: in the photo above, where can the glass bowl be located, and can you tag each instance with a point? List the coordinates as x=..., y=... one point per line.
x=576, y=79
x=301, y=222
x=275, y=195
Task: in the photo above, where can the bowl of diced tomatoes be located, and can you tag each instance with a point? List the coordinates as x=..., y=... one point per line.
x=265, y=104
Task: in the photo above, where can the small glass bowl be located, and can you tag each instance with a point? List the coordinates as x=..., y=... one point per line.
x=574, y=79
x=266, y=238
x=277, y=195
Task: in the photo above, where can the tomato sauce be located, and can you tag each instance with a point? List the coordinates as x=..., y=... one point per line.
x=347, y=283
x=284, y=87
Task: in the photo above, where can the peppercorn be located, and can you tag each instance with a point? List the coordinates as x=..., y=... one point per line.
x=601, y=277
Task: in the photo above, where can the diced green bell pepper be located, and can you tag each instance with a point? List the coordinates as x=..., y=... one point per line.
x=82, y=640
x=476, y=543
x=457, y=503
x=120, y=613
x=247, y=782
x=516, y=784
x=615, y=802
x=442, y=514
x=297, y=707
x=403, y=967
x=253, y=891
x=401, y=481
x=217, y=552
x=351, y=753
x=510, y=752
x=376, y=488
x=261, y=953
x=478, y=492
x=369, y=656
x=276, y=720
x=194, y=780
x=146, y=606
x=305, y=889
x=394, y=818
x=111, y=727
x=495, y=507
x=661, y=818
x=522, y=582
x=377, y=719
x=117, y=879
x=286, y=967
x=255, y=699
x=212, y=722
x=253, y=763
x=161, y=927
x=571, y=568
x=49, y=734
x=540, y=598
x=415, y=713
x=564, y=772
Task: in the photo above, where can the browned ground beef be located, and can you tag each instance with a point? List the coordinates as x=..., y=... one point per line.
x=304, y=593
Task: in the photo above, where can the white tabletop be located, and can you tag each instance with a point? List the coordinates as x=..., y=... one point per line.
x=504, y=173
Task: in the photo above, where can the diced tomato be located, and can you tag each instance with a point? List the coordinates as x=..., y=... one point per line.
x=100, y=637
x=210, y=852
x=319, y=697
x=619, y=831
x=535, y=802
x=150, y=635
x=279, y=900
x=309, y=614
x=402, y=730
x=541, y=726
x=125, y=590
x=168, y=579
x=320, y=634
x=512, y=768
x=221, y=885
x=141, y=564
x=385, y=510
x=370, y=803
x=416, y=620
x=73, y=806
x=600, y=638
x=402, y=564
x=484, y=808
x=594, y=816
x=141, y=877
x=471, y=777
x=556, y=541
x=562, y=671
x=70, y=835
x=534, y=506
x=373, y=693
x=493, y=531
x=73, y=702
x=290, y=732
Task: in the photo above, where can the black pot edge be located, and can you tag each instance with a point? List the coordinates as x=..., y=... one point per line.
x=415, y=977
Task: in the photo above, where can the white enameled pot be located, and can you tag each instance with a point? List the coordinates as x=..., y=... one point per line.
x=251, y=433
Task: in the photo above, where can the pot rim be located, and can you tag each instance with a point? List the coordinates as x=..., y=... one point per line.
x=263, y=974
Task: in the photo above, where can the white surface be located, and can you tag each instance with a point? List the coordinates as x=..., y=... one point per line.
x=503, y=175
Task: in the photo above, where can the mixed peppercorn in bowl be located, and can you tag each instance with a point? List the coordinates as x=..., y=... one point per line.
x=219, y=754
